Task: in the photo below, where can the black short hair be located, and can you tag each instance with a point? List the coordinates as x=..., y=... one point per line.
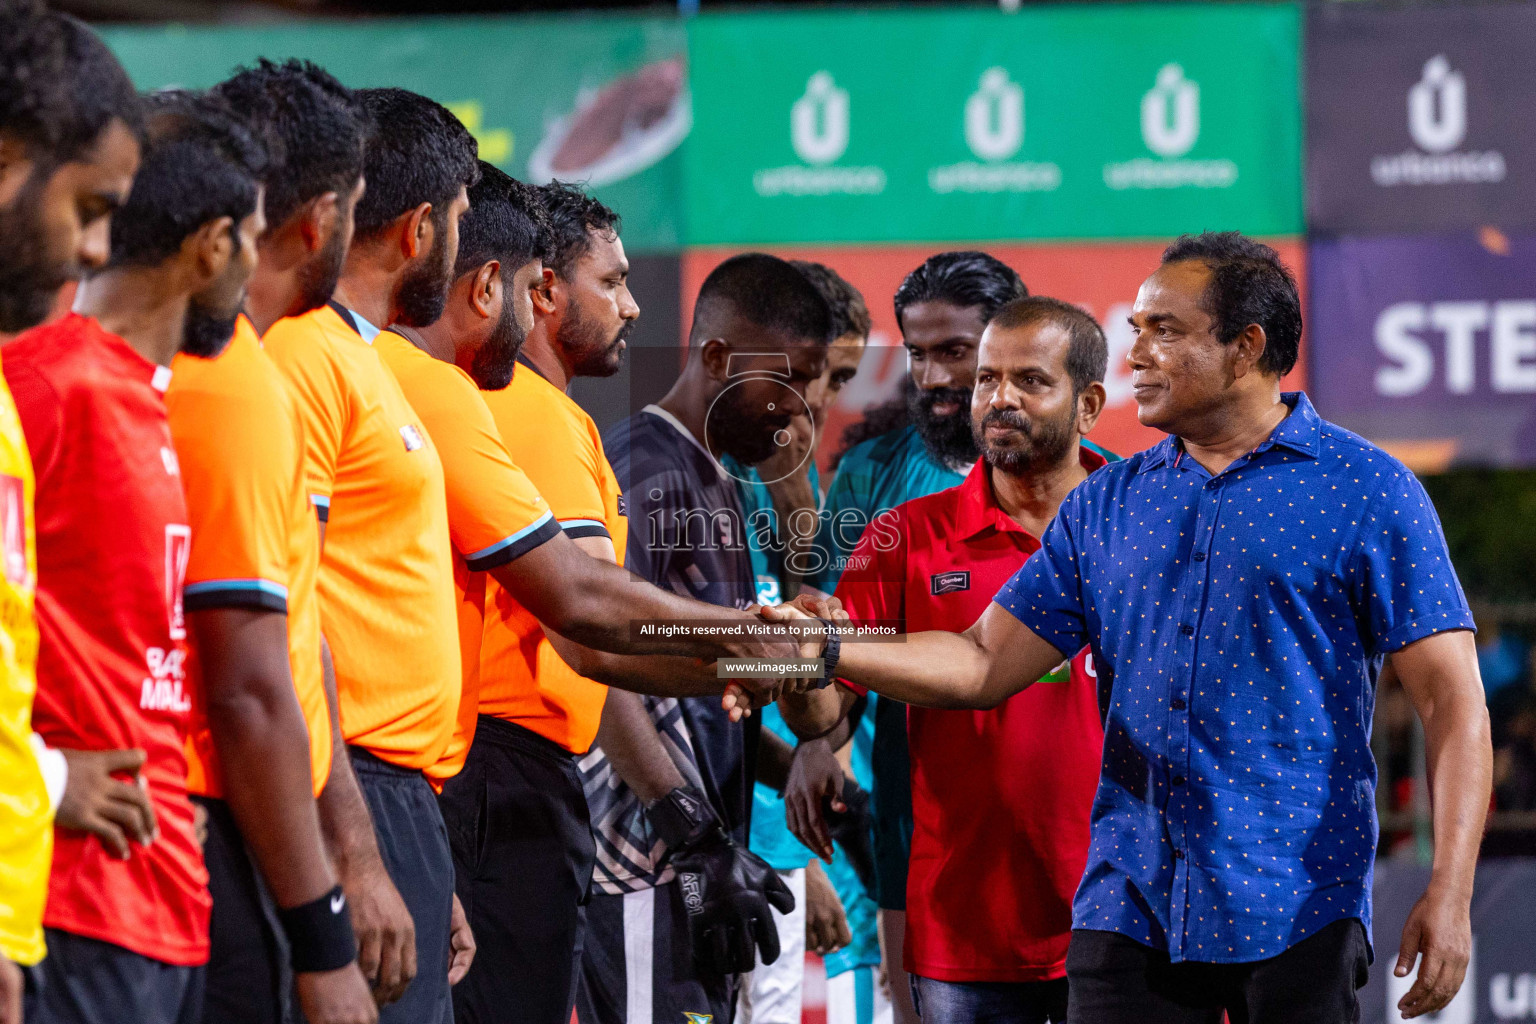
x=573, y=215
x=418, y=153
x=199, y=164
x=766, y=291
x=506, y=222
x=964, y=279
x=1249, y=285
x=312, y=126
x=60, y=86
x=1087, y=352
x=849, y=313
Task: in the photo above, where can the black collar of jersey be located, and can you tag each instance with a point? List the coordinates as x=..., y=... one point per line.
x=346, y=316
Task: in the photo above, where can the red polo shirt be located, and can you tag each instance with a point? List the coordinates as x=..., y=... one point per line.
x=1000, y=798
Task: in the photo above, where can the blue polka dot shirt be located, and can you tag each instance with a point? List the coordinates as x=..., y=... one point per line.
x=1239, y=623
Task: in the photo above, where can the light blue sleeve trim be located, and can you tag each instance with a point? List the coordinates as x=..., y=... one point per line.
x=264, y=586
x=483, y=553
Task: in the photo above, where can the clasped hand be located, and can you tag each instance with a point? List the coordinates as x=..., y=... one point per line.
x=742, y=696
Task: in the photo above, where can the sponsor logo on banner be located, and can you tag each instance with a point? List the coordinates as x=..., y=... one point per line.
x=1170, y=127
x=1437, y=124
x=1409, y=334
x=994, y=132
x=819, y=125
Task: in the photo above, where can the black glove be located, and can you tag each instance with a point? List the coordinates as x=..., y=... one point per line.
x=851, y=831
x=726, y=890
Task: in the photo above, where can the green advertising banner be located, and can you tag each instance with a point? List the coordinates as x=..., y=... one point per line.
x=1049, y=123
x=598, y=99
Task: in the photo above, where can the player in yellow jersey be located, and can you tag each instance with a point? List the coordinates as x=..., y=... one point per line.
x=257, y=756
x=68, y=151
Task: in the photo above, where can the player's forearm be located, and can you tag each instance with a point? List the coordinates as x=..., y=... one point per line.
x=774, y=757
x=345, y=823
x=262, y=743
x=815, y=714
x=661, y=675
x=634, y=748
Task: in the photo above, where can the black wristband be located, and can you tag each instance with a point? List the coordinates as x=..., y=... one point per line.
x=682, y=817
x=829, y=655
x=319, y=934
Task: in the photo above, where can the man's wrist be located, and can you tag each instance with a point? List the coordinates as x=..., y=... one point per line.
x=682, y=817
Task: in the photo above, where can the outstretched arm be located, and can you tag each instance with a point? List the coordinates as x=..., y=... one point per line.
x=1439, y=674
x=980, y=668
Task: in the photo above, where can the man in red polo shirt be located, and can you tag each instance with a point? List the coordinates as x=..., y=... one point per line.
x=1000, y=798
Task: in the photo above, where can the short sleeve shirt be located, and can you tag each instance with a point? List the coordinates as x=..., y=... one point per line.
x=386, y=570
x=255, y=544
x=1238, y=623
x=495, y=513
x=522, y=678
x=685, y=535
x=1000, y=798
x=112, y=549
x=26, y=819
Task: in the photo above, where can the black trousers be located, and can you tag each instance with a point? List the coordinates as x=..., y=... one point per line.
x=248, y=977
x=523, y=853
x=1116, y=980
x=85, y=981
x=414, y=846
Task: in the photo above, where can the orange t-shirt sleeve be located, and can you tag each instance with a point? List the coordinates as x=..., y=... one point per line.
x=495, y=513
x=320, y=400
x=237, y=480
x=566, y=467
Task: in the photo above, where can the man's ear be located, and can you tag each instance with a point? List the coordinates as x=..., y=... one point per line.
x=1246, y=350
x=419, y=232
x=1090, y=405
x=319, y=218
x=211, y=247
x=543, y=293
x=16, y=167
x=716, y=356
x=486, y=288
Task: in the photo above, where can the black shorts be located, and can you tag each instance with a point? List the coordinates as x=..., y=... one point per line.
x=248, y=978
x=1116, y=980
x=637, y=964
x=414, y=845
x=86, y=981
x=522, y=856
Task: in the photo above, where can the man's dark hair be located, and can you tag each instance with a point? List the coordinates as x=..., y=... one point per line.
x=312, y=126
x=506, y=222
x=964, y=279
x=199, y=164
x=1087, y=351
x=1249, y=285
x=573, y=216
x=418, y=153
x=765, y=291
x=849, y=313
x=60, y=86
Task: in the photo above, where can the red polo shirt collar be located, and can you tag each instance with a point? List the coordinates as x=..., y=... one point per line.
x=978, y=509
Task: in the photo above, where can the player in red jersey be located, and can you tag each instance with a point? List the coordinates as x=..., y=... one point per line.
x=1000, y=798
x=68, y=152
x=128, y=934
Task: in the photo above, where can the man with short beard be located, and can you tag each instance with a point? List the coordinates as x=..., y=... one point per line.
x=386, y=575
x=69, y=118
x=941, y=307
x=128, y=932
x=1000, y=798
x=258, y=757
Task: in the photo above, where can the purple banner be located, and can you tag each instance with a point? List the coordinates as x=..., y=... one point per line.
x=1427, y=345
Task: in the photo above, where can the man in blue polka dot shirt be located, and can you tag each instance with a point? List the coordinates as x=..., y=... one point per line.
x=1242, y=585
